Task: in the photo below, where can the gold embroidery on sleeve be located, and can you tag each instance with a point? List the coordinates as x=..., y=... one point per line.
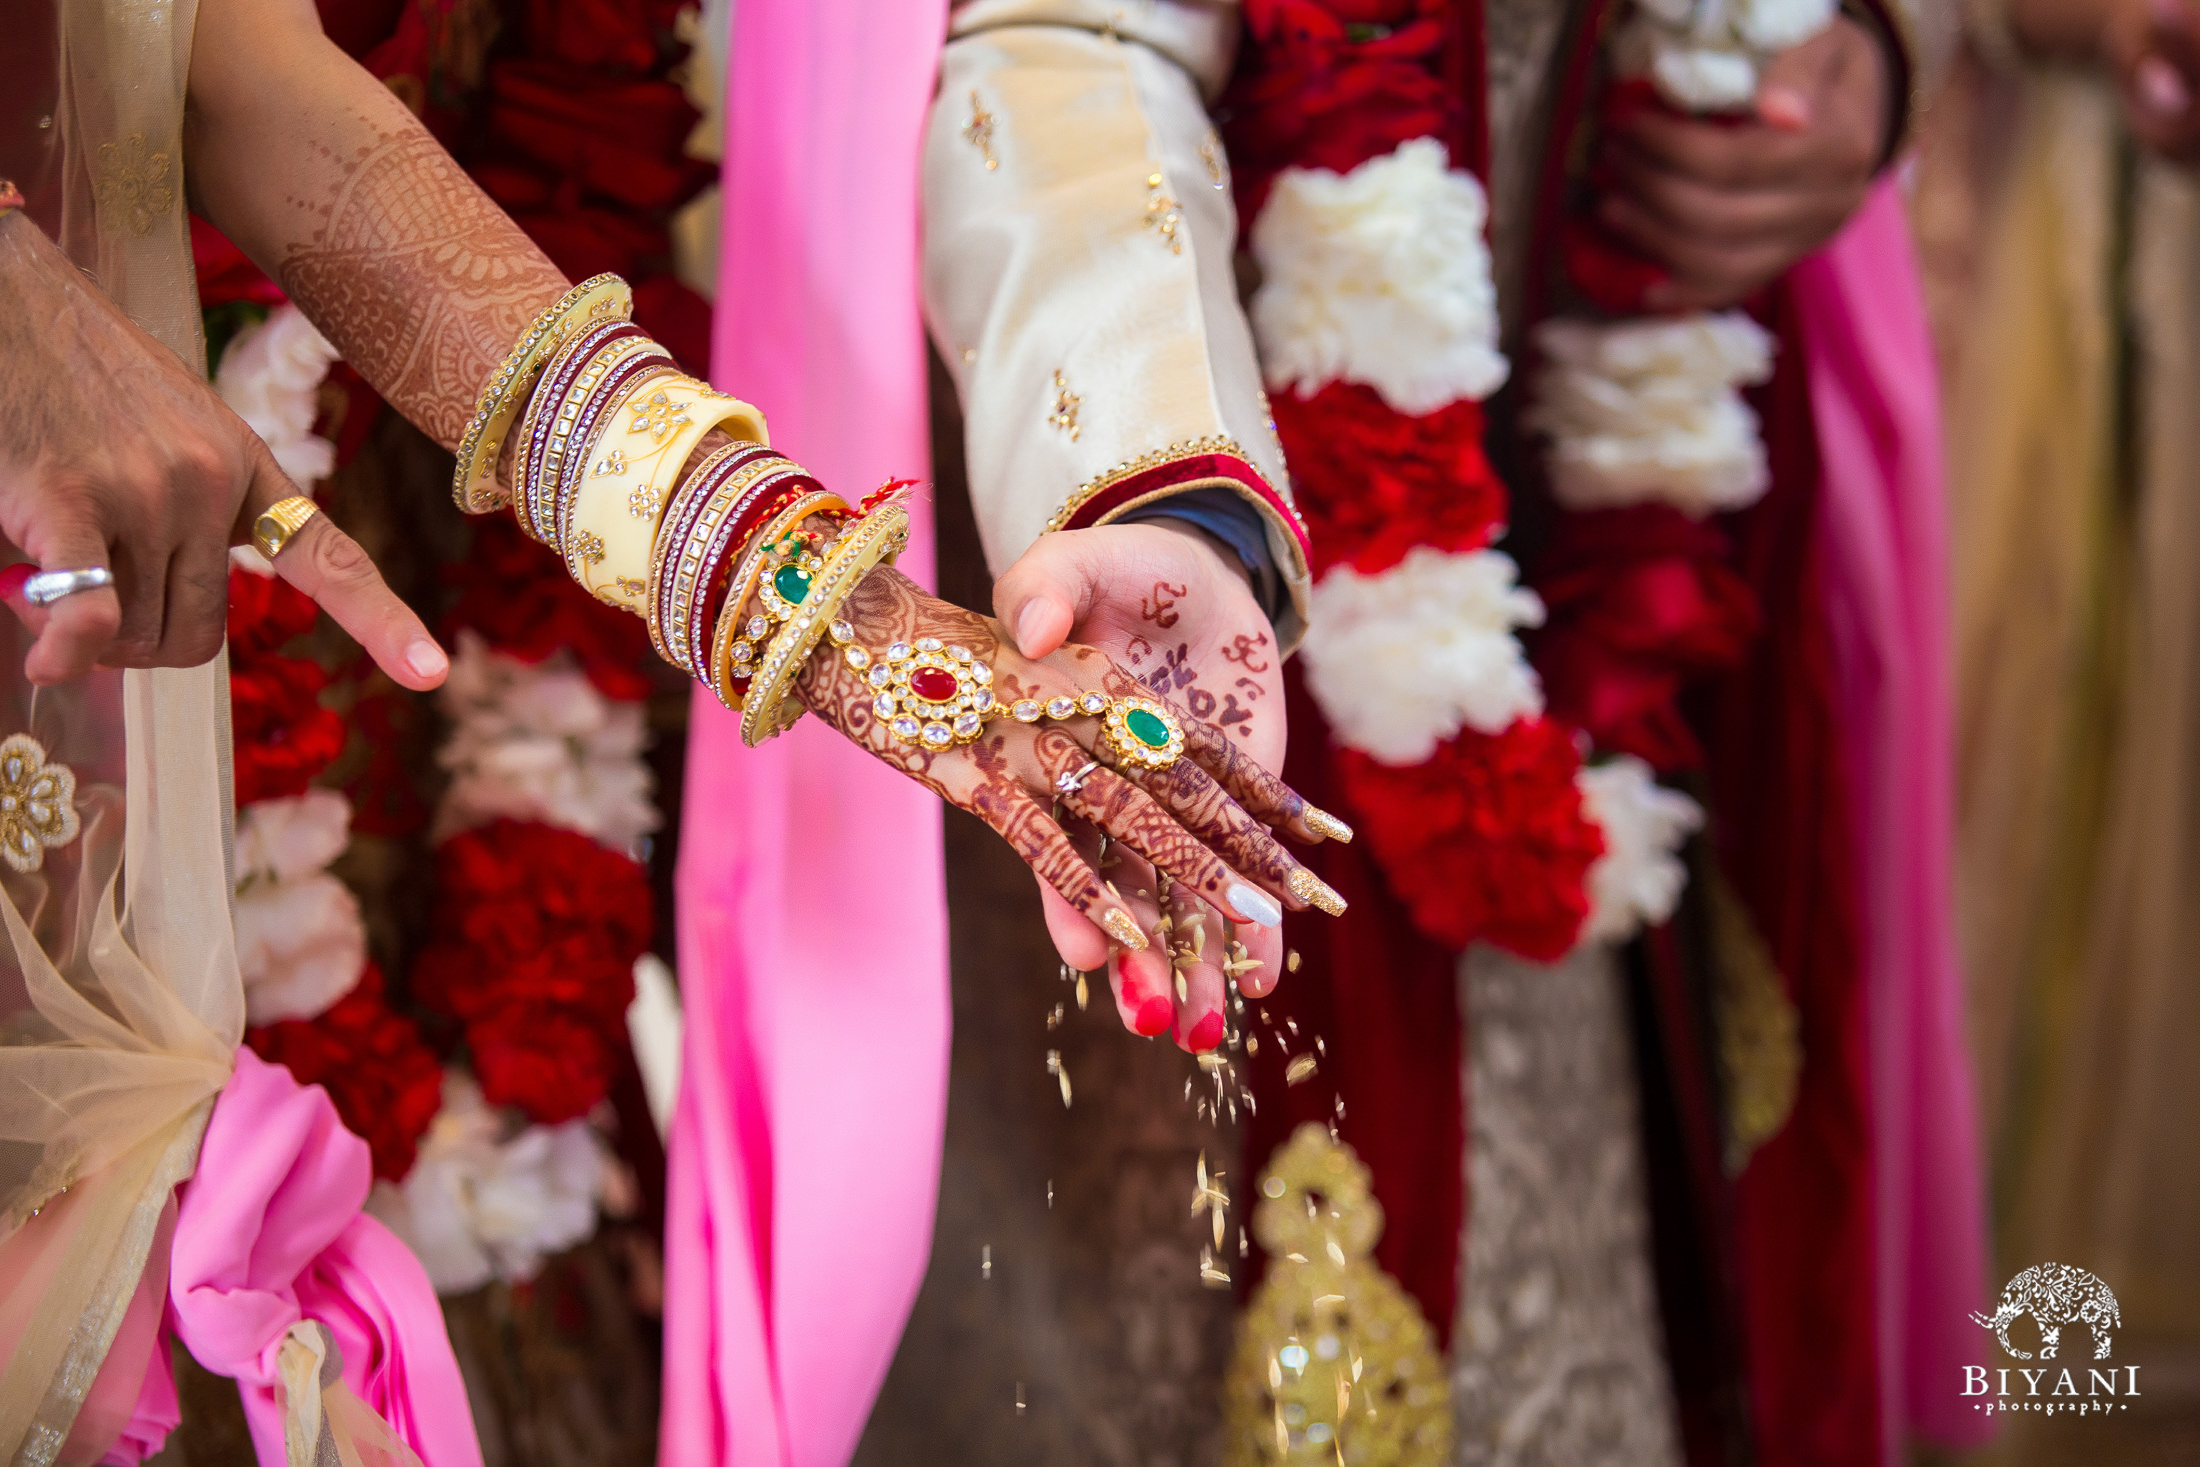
x=1163, y=214
x=978, y=132
x=1066, y=404
x=1210, y=153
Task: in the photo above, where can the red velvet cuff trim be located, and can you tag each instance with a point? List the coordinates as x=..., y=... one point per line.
x=1113, y=496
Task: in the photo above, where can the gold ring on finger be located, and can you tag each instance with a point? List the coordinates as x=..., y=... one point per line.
x=1142, y=732
x=280, y=523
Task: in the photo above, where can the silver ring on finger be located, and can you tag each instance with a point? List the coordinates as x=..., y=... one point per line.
x=1074, y=780
x=49, y=586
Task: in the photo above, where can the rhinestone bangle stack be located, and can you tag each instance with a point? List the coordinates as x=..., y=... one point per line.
x=616, y=501
x=474, y=483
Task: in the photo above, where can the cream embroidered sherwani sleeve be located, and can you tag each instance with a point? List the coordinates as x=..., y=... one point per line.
x=1079, y=243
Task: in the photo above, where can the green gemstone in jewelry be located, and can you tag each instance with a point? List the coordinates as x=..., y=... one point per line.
x=1147, y=728
x=792, y=583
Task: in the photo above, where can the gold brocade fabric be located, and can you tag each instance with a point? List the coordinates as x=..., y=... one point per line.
x=1333, y=1363
x=1756, y=1025
x=120, y=1004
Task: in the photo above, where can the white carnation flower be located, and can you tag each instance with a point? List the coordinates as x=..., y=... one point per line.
x=301, y=942
x=1702, y=78
x=298, y=835
x=1647, y=410
x=1637, y=882
x=271, y=377
x=1770, y=26
x=1402, y=660
x=540, y=743
x=1379, y=276
x=1708, y=55
x=479, y=1204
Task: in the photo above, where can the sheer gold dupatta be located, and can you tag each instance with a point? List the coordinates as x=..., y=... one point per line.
x=120, y=1002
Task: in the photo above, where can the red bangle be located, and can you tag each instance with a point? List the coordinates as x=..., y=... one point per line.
x=698, y=505
x=766, y=498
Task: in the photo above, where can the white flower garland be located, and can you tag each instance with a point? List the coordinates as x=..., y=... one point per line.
x=1379, y=276
x=1403, y=660
x=271, y=375
x=1649, y=410
x=301, y=943
x=480, y=1203
x=1708, y=55
x=540, y=743
x=1638, y=880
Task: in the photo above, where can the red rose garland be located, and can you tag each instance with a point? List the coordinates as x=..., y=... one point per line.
x=386, y=1083
x=383, y=1078
x=536, y=933
x=283, y=736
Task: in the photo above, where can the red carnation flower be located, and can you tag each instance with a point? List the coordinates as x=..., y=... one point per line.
x=282, y=736
x=1372, y=483
x=1333, y=83
x=544, y=1060
x=265, y=612
x=1486, y=840
x=1641, y=601
x=384, y=1081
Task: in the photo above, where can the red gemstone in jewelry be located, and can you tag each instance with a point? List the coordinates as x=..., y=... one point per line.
x=933, y=684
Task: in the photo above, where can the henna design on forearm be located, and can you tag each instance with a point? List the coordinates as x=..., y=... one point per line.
x=418, y=278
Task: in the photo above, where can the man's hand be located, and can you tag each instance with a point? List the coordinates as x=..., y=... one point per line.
x=2153, y=48
x=1727, y=205
x=113, y=453
x=1172, y=607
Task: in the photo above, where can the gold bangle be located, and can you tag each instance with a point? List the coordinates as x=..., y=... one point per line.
x=876, y=538
x=734, y=642
x=474, y=486
x=280, y=522
x=632, y=469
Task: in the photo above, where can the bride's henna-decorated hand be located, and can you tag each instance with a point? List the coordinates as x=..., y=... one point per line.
x=1204, y=820
x=1171, y=606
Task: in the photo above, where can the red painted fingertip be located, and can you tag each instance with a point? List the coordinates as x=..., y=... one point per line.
x=1206, y=1034
x=1154, y=1016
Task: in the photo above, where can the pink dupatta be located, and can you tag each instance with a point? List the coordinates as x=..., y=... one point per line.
x=1875, y=402
x=813, y=938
